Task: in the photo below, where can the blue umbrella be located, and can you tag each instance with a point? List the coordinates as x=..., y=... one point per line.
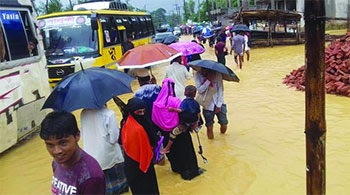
x=90, y=88
x=240, y=27
x=227, y=74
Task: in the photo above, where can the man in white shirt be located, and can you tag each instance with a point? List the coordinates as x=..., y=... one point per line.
x=205, y=79
x=179, y=74
x=100, y=133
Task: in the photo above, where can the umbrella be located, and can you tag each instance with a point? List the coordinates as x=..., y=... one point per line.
x=239, y=27
x=170, y=39
x=147, y=55
x=227, y=73
x=187, y=48
x=216, y=29
x=90, y=88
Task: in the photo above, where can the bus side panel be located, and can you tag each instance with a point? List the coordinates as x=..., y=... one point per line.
x=109, y=57
x=23, y=91
x=143, y=41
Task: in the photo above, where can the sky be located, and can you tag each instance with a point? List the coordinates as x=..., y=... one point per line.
x=150, y=5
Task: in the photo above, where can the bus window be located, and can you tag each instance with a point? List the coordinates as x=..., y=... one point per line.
x=3, y=46
x=15, y=34
x=32, y=41
x=143, y=25
x=150, y=25
x=137, y=30
x=68, y=36
x=129, y=28
x=110, y=31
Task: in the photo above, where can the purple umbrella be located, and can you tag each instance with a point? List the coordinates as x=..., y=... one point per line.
x=187, y=48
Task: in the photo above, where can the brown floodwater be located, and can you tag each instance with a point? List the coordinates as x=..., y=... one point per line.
x=263, y=151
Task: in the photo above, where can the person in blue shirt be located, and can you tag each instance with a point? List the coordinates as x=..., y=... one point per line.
x=181, y=153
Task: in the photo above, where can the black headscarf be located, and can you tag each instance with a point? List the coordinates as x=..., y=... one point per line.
x=136, y=104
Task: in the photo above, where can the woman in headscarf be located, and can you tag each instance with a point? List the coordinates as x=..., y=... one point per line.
x=139, y=142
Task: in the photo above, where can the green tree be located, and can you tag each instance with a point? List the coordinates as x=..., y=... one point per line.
x=158, y=17
x=203, y=10
x=52, y=6
x=173, y=19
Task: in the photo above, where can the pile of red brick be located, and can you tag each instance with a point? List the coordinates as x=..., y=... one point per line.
x=337, y=69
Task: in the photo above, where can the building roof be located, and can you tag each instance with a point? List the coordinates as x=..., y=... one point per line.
x=279, y=15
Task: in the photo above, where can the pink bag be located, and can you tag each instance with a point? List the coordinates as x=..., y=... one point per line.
x=165, y=119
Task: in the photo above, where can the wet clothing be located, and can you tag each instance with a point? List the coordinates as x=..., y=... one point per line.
x=237, y=44
x=139, y=141
x=179, y=74
x=182, y=155
x=148, y=93
x=219, y=47
x=84, y=177
x=209, y=116
x=203, y=84
x=100, y=132
x=246, y=39
x=116, y=180
x=190, y=109
x=223, y=36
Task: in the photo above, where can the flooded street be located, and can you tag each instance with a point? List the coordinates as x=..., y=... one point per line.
x=263, y=151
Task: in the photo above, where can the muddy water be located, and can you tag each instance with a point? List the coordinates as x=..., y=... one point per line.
x=263, y=151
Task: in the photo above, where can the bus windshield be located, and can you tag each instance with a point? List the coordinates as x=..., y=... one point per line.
x=68, y=36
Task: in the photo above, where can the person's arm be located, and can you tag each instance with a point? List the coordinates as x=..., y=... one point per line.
x=112, y=128
x=172, y=136
x=167, y=148
x=171, y=109
x=201, y=87
x=92, y=186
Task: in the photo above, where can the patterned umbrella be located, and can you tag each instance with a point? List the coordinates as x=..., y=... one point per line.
x=187, y=48
x=147, y=55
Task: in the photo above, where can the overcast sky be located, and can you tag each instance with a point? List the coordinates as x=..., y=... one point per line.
x=150, y=5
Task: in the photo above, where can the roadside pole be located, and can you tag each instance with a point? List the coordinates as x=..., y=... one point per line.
x=315, y=124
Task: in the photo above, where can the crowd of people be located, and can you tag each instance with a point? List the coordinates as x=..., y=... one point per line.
x=157, y=124
x=240, y=43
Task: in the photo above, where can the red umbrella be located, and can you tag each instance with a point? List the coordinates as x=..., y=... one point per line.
x=147, y=55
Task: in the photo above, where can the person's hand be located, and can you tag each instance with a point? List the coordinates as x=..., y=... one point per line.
x=195, y=125
x=217, y=110
x=170, y=109
x=153, y=80
x=164, y=151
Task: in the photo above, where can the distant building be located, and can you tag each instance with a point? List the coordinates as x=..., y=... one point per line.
x=334, y=8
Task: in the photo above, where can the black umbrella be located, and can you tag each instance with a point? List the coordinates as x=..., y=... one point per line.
x=90, y=88
x=227, y=74
x=170, y=39
x=240, y=27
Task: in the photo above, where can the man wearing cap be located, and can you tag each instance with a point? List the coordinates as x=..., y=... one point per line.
x=148, y=90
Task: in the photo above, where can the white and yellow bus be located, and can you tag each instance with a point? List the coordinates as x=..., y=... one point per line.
x=23, y=77
x=91, y=37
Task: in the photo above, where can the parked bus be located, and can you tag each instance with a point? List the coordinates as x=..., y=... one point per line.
x=91, y=37
x=23, y=77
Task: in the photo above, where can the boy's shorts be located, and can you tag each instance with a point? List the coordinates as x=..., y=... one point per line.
x=209, y=116
x=236, y=54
